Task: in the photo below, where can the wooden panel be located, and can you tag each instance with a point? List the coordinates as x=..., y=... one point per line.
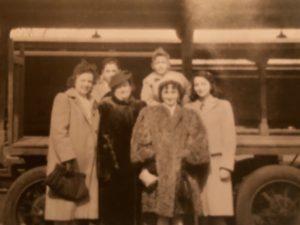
x=4, y=35
x=246, y=144
x=32, y=142
x=15, y=95
x=10, y=92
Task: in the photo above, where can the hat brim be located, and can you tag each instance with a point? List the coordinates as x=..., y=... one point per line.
x=121, y=80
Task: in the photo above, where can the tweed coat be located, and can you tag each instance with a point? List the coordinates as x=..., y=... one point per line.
x=118, y=195
x=173, y=141
x=73, y=136
x=218, y=119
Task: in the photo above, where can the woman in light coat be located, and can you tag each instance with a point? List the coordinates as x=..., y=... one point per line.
x=218, y=119
x=73, y=141
x=168, y=141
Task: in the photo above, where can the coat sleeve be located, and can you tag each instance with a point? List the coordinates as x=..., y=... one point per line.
x=147, y=94
x=196, y=151
x=60, y=124
x=141, y=143
x=105, y=112
x=229, y=138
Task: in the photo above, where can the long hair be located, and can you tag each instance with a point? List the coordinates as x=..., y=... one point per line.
x=215, y=91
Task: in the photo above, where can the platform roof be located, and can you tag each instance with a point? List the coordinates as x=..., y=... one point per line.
x=211, y=14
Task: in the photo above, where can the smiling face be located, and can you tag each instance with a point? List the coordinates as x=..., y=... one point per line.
x=84, y=83
x=170, y=95
x=202, y=87
x=123, y=91
x=161, y=64
x=109, y=70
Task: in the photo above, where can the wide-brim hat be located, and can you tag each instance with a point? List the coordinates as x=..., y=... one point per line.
x=119, y=78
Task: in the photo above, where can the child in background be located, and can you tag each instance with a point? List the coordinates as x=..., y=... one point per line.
x=161, y=68
x=110, y=66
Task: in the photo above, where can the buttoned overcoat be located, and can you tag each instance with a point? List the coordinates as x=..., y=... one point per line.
x=73, y=135
x=218, y=119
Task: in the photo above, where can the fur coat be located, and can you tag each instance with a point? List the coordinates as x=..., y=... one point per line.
x=174, y=142
x=118, y=189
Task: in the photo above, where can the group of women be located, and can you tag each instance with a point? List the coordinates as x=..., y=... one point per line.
x=163, y=161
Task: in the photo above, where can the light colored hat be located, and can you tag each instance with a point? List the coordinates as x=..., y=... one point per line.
x=174, y=77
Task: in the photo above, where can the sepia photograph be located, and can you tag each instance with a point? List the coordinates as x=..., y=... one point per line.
x=149, y=112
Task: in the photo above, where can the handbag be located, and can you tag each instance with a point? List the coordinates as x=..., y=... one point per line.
x=69, y=185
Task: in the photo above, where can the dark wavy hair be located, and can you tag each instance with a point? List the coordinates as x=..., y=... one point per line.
x=110, y=61
x=175, y=85
x=215, y=91
x=82, y=67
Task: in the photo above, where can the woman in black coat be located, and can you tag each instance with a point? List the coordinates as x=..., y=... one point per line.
x=118, y=112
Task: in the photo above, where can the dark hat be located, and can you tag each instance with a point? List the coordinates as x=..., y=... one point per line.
x=119, y=78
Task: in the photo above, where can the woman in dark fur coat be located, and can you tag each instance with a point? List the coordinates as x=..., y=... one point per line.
x=169, y=142
x=118, y=114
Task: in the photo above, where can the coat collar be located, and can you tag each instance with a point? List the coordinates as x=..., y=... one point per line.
x=120, y=102
x=209, y=104
x=172, y=121
x=72, y=93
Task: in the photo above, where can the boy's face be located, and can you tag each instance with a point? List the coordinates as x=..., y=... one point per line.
x=161, y=64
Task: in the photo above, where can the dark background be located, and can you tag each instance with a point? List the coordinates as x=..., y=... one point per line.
x=46, y=76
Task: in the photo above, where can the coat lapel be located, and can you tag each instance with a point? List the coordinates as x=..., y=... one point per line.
x=93, y=123
x=170, y=122
x=176, y=118
x=209, y=104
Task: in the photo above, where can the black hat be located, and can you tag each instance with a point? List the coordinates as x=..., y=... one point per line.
x=119, y=78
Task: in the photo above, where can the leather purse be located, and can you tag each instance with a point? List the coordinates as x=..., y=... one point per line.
x=69, y=185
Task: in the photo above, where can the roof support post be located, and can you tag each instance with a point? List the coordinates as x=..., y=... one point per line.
x=4, y=39
x=261, y=66
x=186, y=33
